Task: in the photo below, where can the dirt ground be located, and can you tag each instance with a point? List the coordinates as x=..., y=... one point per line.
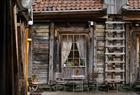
x=89, y=93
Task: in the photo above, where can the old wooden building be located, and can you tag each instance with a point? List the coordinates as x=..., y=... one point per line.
x=23, y=28
x=90, y=40
x=14, y=46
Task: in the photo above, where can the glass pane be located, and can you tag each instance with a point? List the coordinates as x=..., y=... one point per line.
x=76, y=54
x=71, y=54
x=72, y=48
x=70, y=62
x=75, y=46
x=82, y=62
x=76, y=62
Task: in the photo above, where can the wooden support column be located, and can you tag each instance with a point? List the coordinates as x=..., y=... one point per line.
x=10, y=51
x=135, y=58
x=26, y=58
x=131, y=60
x=127, y=78
x=16, y=54
x=3, y=33
x=59, y=53
x=51, y=53
x=91, y=52
x=132, y=56
x=58, y=65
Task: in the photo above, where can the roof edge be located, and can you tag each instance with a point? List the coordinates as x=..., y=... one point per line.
x=69, y=11
x=125, y=8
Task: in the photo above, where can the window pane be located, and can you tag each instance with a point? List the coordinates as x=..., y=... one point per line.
x=82, y=62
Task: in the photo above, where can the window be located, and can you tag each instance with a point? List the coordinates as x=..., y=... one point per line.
x=73, y=54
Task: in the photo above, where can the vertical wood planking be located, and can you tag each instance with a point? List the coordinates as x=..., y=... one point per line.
x=40, y=57
x=91, y=52
x=51, y=53
x=127, y=54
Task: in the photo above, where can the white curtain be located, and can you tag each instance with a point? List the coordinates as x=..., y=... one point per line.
x=66, y=48
x=81, y=47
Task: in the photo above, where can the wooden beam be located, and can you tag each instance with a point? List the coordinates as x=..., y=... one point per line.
x=132, y=55
x=68, y=15
x=127, y=54
x=51, y=53
x=26, y=58
x=73, y=30
x=131, y=17
x=91, y=53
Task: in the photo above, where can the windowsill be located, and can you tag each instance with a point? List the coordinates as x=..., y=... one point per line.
x=74, y=66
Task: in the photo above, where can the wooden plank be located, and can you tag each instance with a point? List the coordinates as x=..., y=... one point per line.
x=115, y=53
x=100, y=48
x=17, y=49
x=73, y=30
x=16, y=32
x=41, y=26
x=40, y=54
x=127, y=54
x=40, y=30
x=132, y=18
x=51, y=53
x=91, y=53
x=114, y=22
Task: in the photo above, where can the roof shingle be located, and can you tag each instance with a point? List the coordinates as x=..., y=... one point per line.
x=66, y=5
x=133, y=4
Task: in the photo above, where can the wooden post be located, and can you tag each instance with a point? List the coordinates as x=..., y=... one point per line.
x=131, y=60
x=58, y=56
x=26, y=59
x=51, y=53
x=127, y=76
x=132, y=56
x=91, y=52
x=17, y=53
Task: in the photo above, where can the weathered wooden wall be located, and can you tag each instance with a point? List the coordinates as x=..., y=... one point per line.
x=22, y=39
x=132, y=49
x=68, y=29
x=13, y=50
x=8, y=49
x=128, y=40
x=40, y=52
x=99, y=51
x=51, y=53
x=95, y=53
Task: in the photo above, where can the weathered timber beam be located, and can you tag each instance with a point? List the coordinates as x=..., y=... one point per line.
x=51, y=53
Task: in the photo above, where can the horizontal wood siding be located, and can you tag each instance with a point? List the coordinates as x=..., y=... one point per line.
x=99, y=51
x=40, y=53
